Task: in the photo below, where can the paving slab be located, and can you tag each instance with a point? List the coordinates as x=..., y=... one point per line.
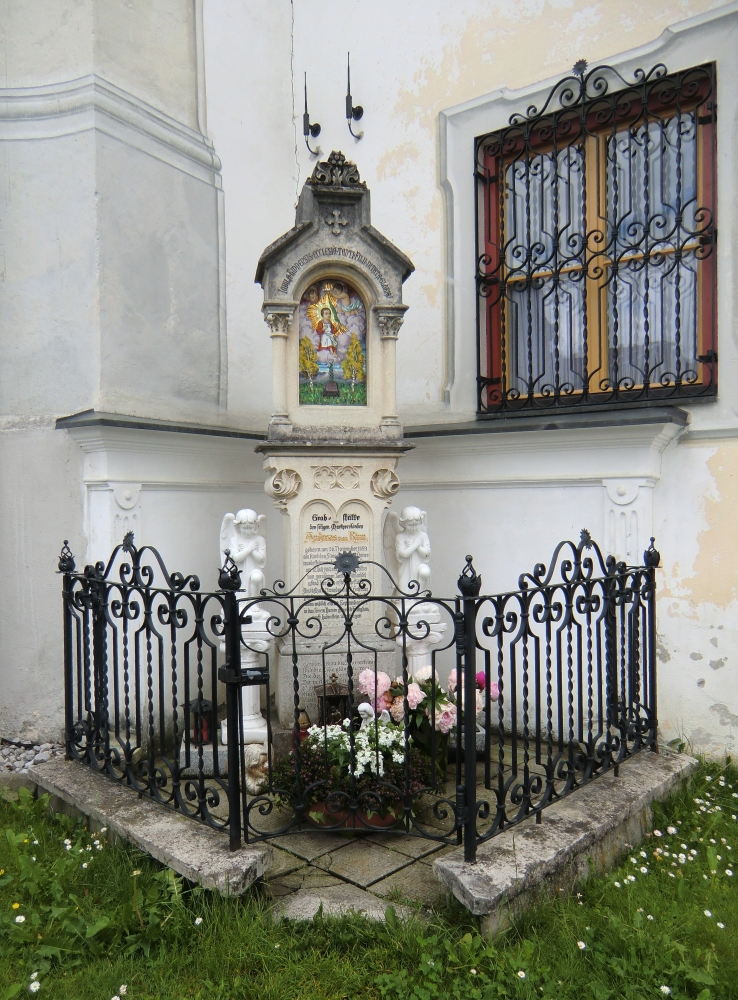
x=283, y=863
x=311, y=845
x=583, y=832
x=412, y=847
x=335, y=901
x=362, y=863
x=192, y=849
x=305, y=879
x=417, y=882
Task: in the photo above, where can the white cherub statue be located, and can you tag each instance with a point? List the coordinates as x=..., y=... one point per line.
x=407, y=557
x=243, y=535
x=407, y=546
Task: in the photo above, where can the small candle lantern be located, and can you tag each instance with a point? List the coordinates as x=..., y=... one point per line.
x=201, y=720
x=303, y=723
x=332, y=702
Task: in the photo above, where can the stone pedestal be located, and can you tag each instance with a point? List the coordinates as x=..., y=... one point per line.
x=258, y=641
x=331, y=501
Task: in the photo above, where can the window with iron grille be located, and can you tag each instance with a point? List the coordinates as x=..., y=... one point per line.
x=596, y=269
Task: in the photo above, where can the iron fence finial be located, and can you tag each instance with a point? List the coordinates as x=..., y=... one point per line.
x=66, y=559
x=229, y=577
x=469, y=583
x=346, y=562
x=651, y=557
x=580, y=68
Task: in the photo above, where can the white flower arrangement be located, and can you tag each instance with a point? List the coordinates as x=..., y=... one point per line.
x=373, y=744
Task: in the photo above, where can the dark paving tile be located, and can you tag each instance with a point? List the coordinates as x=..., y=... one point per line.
x=416, y=883
x=412, y=847
x=310, y=845
x=304, y=879
x=283, y=863
x=362, y=863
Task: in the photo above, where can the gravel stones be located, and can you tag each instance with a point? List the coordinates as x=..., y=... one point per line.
x=20, y=756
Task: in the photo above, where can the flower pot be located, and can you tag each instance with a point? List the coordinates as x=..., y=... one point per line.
x=319, y=815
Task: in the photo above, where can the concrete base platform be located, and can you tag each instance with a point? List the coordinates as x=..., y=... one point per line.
x=195, y=851
x=336, y=901
x=585, y=832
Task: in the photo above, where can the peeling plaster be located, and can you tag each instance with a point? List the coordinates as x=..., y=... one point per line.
x=487, y=53
x=714, y=579
x=725, y=716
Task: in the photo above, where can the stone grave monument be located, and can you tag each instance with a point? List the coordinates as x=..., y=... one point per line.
x=333, y=305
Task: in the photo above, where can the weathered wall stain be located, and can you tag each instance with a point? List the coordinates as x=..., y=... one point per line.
x=487, y=54
x=717, y=664
x=725, y=716
x=714, y=579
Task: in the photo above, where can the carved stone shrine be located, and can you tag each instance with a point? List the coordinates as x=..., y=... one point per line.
x=333, y=305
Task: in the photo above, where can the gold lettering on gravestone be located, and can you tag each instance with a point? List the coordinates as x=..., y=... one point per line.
x=326, y=532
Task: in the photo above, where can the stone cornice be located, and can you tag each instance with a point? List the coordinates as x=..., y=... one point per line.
x=93, y=420
x=92, y=103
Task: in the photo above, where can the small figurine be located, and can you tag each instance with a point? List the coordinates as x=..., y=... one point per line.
x=243, y=535
x=407, y=549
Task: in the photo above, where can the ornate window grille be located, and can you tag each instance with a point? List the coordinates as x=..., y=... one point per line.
x=596, y=269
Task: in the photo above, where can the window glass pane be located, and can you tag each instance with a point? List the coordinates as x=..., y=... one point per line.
x=547, y=343
x=652, y=318
x=651, y=205
x=652, y=185
x=543, y=211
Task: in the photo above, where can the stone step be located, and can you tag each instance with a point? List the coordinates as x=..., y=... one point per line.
x=191, y=848
x=584, y=832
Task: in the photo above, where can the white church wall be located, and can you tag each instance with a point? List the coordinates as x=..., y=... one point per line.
x=39, y=507
x=112, y=299
x=113, y=192
x=250, y=107
x=160, y=341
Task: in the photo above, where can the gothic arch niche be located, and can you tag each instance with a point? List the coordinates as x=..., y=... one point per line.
x=332, y=339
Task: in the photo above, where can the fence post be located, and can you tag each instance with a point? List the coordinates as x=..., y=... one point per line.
x=66, y=566
x=469, y=586
x=232, y=669
x=229, y=580
x=652, y=559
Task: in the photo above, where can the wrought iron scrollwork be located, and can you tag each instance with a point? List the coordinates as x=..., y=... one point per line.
x=557, y=678
x=596, y=275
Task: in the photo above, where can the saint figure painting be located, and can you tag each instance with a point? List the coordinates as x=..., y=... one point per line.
x=332, y=331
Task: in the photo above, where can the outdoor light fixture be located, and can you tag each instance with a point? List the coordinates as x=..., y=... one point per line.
x=201, y=713
x=353, y=114
x=307, y=128
x=332, y=702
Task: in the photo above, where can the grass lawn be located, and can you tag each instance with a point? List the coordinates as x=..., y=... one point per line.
x=88, y=919
x=313, y=395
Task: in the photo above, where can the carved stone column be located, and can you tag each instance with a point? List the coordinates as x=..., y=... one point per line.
x=389, y=321
x=628, y=517
x=278, y=317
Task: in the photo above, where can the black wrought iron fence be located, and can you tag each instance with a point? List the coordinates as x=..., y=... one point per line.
x=350, y=709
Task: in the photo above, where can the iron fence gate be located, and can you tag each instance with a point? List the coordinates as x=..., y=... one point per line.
x=450, y=719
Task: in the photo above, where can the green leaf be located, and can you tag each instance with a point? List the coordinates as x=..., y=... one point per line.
x=11, y=991
x=700, y=976
x=712, y=858
x=93, y=929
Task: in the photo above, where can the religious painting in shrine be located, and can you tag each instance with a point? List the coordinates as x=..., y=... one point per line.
x=332, y=332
